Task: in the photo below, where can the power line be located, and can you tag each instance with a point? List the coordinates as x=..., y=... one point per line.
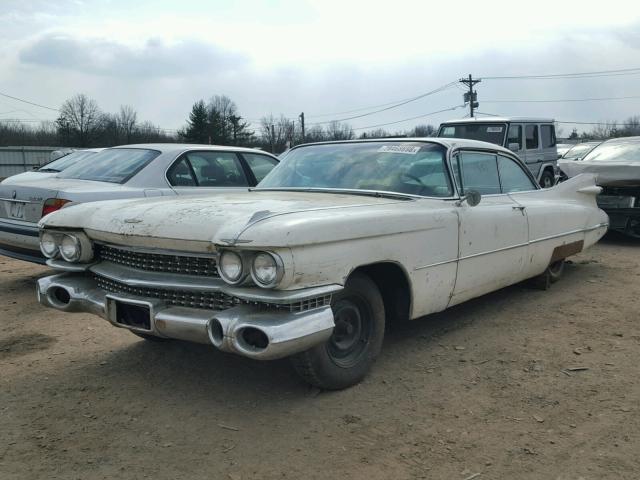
x=27, y=101
x=613, y=124
x=600, y=73
x=396, y=105
x=411, y=118
x=563, y=100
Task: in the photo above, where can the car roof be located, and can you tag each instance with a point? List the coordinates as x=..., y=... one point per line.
x=499, y=120
x=181, y=147
x=445, y=142
x=623, y=140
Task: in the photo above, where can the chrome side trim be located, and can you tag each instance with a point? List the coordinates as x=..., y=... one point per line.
x=531, y=242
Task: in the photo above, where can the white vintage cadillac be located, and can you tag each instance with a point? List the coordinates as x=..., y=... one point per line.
x=336, y=241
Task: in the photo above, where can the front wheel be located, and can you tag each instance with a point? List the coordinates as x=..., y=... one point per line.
x=346, y=357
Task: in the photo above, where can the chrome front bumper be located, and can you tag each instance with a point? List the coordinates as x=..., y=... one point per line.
x=280, y=333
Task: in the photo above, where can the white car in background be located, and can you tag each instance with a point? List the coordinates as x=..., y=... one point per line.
x=129, y=171
x=336, y=241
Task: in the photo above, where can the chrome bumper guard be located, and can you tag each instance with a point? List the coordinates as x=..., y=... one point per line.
x=248, y=330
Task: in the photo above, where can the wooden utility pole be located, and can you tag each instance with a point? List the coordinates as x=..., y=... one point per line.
x=471, y=96
x=301, y=116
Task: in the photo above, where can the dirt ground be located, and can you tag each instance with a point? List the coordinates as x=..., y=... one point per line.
x=485, y=390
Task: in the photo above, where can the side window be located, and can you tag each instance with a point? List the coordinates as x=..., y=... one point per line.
x=548, y=136
x=217, y=169
x=532, y=137
x=512, y=177
x=515, y=136
x=179, y=174
x=478, y=171
x=260, y=165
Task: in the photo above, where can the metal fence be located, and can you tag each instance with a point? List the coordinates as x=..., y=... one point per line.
x=21, y=159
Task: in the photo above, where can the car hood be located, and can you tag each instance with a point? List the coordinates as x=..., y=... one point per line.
x=607, y=173
x=185, y=222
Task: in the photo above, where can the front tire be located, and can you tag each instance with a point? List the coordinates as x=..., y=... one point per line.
x=347, y=356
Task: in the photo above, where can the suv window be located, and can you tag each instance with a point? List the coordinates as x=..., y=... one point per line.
x=477, y=171
x=512, y=177
x=260, y=165
x=515, y=136
x=207, y=169
x=548, y=136
x=532, y=137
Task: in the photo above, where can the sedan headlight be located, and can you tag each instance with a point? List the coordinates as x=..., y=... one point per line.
x=266, y=269
x=49, y=245
x=231, y=267
x=72, y=247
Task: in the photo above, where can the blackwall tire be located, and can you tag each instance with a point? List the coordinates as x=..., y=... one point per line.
x=346, y=358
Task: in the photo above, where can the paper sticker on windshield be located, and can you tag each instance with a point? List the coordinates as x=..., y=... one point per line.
x=494, y=129
x=408, y=149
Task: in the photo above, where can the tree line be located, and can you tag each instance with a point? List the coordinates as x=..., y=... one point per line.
x=82, y=123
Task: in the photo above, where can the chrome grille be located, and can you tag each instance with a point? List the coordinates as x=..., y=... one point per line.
x=157, y=262
x=204, y=300
x=182, y=298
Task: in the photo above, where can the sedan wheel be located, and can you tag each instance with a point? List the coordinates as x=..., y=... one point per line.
x=346, y=357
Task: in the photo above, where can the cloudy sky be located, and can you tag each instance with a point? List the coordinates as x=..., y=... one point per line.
x=323, y=57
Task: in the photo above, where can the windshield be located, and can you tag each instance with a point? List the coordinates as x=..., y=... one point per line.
x=403, y=167
x=115, y=165
x=485, y=132
x=615, y=152
x=66, y=161
x=577, y=152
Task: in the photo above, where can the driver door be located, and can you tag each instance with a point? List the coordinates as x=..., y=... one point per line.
x=493, y=236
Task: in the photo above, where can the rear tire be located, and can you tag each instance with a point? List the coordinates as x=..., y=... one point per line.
x=551, y=275
x=547, y=179
x=347, y=356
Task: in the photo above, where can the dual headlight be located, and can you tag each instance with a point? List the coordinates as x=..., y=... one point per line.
x=72, y=247
x=266, y=268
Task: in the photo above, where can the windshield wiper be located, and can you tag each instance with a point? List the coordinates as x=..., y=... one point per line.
x=341, y=191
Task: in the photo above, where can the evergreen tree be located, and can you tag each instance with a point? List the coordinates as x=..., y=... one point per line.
x=197, y=129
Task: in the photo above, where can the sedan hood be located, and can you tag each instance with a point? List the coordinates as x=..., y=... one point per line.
x=180, y=222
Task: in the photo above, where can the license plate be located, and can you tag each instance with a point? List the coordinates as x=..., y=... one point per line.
x=133, y=315
x=16, y=210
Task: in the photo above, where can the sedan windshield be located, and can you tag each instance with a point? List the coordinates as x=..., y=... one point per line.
x=115, y=165
x=615, y=152
x=485, y=132
x=66, y=161
x=579, y=151
x=413, y=168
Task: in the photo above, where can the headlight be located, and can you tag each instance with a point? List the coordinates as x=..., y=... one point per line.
x=266, y=269
x=48, y=245
x=230, y=267
x=70, y=248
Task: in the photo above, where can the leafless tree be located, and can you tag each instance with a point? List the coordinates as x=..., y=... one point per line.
x=126, y=119
x=81, y=116
x=278, y=133
x=339, y=131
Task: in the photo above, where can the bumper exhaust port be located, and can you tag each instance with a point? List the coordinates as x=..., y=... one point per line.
x=252, y=338
x=59, y=296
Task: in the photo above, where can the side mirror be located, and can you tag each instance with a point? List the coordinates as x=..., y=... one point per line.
x=472, y=197
x=514, y=147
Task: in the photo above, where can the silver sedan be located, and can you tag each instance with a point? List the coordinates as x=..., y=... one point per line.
x=129, y=171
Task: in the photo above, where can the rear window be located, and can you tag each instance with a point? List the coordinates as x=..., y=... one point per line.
x=116, y=165
x=66, y=161
x=486, y=132
x=615, y=152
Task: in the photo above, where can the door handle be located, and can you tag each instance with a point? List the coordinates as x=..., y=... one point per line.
x=519, y=207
